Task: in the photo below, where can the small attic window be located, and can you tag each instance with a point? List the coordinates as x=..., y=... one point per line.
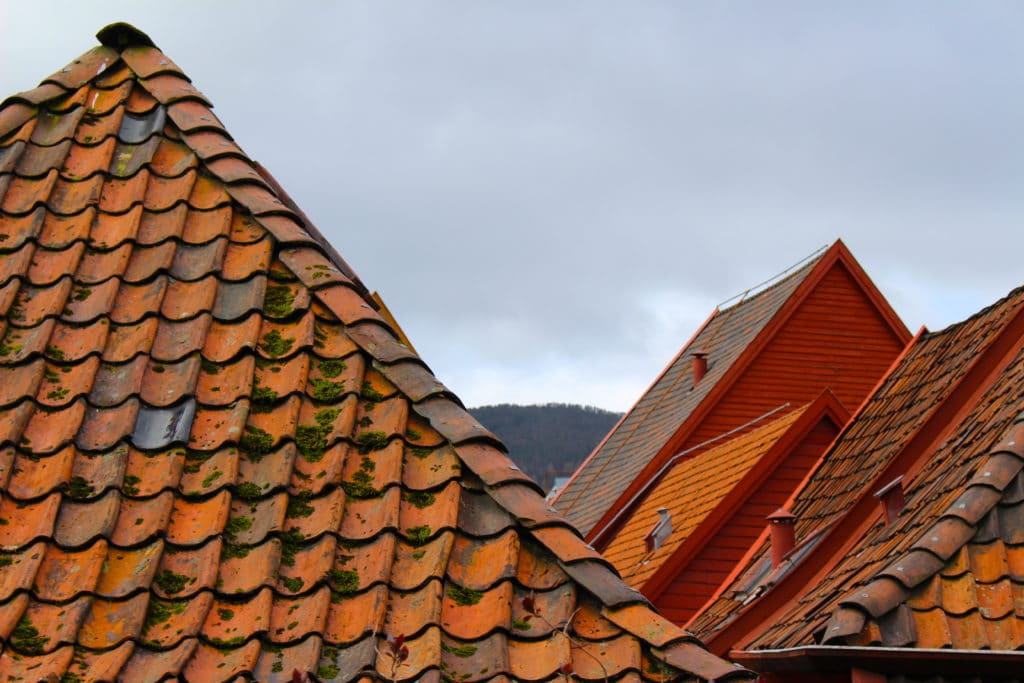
x=660, y=533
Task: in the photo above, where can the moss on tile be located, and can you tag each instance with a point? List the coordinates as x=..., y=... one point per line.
x=311, y=441
x=463, y=651
x=327, y=391
x=463, y=596
x=291, y=543
x=328, y=672
x=171, y=583
x=417, y=535
x=278, y=301
x=331, y=368
x=231, y=550
x=262, y=399
x=420, y=452
x=237, y=525
x=370, y=394
x=129, y=485
x=256, y=442
x=371, y=441
x=420, y=499
x=26, y=638
x=413, y=435
x=343, y=582
x=209, y=367
x=79, y=487
x=521, y=624
x=194, y=461
x=160, y=611
x=226, y=614
x=298, y=506
x=248, y=490
x=212, y=477
x=274, y=345
x=294, y=584
x=57, y=394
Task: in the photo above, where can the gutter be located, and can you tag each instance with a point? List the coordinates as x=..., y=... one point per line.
x=919, y=662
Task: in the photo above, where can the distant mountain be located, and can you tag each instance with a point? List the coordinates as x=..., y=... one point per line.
x=548, y=440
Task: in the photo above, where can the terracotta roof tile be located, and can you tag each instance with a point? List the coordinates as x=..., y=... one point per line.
x=218, y=460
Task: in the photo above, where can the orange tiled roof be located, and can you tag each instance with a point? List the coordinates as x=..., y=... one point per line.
x=691, y=491
x=649, y=425
x=216, y=458
x=945, y=572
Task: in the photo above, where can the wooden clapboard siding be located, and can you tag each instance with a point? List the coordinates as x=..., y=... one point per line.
x=695, y=583
x=836, y=339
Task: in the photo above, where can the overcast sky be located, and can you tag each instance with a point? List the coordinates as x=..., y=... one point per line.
x=551, y=196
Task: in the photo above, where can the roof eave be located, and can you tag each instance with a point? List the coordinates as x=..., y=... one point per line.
x=920, y=662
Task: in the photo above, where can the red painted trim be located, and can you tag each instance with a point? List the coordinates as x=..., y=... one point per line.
x=755, y=549
x=826, y=406
x=748, y=622
x=837, y=254
x=853, y=267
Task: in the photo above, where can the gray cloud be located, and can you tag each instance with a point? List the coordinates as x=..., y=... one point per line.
x=551, y=197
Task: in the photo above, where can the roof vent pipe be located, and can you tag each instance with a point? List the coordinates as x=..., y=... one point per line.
x=892, y=499
x=782, y=527
x=660, y=533
x=700, y=366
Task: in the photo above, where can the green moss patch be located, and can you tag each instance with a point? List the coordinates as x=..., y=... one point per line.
x=171, y=583
x=256, y=442
x=279, y=301
x=420, y=499
x=327, y=391
x=332, y=368
x=370, y=394
x=26, y=638
x=274, y=345
x=463, y=596
x=418, y=535
x=371, y=441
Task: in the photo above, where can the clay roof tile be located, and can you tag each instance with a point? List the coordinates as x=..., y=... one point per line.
x=226, y=464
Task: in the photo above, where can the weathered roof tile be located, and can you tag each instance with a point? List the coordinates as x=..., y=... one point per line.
x=224, y=461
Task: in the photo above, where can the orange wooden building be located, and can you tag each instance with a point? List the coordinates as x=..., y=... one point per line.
x=908, y=561
x=731, y=427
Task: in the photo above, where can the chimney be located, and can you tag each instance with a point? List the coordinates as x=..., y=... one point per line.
x=892, y=500
x=782, y=527
x=700, y=366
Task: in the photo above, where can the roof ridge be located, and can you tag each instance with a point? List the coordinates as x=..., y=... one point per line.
x=792, y=271
x=892, y=585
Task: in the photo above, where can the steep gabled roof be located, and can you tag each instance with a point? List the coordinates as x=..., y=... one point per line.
x=674, y=405
x=690, y=493
x=938, y=576
x=704, y=492
x=217, y=459
x=667, y=403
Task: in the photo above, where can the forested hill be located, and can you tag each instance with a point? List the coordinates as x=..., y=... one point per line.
x=547, y=440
